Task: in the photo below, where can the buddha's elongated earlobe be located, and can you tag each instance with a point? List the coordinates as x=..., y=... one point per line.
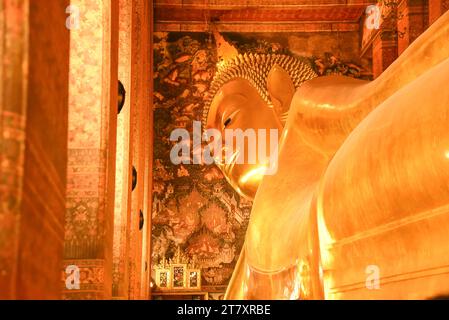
x=280, y=89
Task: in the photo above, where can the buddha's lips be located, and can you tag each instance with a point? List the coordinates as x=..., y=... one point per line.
x=229, y=164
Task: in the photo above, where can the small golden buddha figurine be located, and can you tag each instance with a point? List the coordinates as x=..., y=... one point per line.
x=359, y=206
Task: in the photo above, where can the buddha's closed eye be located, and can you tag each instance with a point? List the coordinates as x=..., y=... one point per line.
x=227, y=122
x=227, y=118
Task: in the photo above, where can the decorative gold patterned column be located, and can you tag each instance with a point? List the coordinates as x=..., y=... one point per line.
x=34, y=64
x=92, y=148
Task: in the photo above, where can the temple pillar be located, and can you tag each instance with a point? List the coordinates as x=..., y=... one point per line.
x=385, y=51
x=148, y=151
x=134, y=151
x=123, y=179
x=34, y=54
x=413, y=22
x=91, y=149
x=141, y=123
x=436, y=9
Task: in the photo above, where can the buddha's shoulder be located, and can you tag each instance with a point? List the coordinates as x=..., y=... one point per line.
x=331, y=90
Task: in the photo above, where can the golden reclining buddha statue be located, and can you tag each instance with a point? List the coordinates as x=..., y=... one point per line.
x=359, y=206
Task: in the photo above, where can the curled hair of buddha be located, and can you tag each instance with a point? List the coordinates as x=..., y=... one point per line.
x=255, y=69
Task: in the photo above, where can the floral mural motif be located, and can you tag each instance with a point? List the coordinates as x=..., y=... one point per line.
x=194, y=208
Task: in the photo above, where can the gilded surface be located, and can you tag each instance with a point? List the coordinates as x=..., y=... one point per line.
x=362, y=184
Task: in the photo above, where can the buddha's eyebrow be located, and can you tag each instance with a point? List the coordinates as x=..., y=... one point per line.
x=230, y=101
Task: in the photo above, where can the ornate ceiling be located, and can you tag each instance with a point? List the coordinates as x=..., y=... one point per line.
x=260, y=16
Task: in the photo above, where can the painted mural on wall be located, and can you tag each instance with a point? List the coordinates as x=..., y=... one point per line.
x=194, y=208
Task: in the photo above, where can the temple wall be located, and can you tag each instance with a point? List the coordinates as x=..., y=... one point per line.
x=344, y=45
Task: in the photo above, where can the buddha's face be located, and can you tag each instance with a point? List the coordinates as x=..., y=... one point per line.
x=238, y=105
